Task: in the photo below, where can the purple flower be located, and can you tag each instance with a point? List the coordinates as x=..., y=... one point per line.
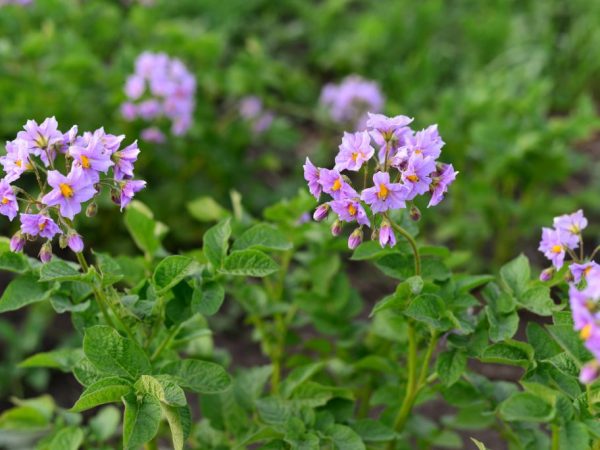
x=135, y=87
x=386, y=235
x=426, y=142
x=124, y=160
x=350, y=210
x=91, y=157
x=385, y=195
x=153, y=134
x=149, y=109
x=38, y=225
x=321, y=212
x=589, y=372
x=355, y=150
x=69, y=139
x=17, y=242
x=581, y=271
x=349, y=101
x=75, y=242
x=128, y=189
x=129, y=111
x=417, y=176
x=311, y=175
x=8, y=200
x=16, y=161
x=388, y=132
x=68, y=191
x=355, y=239
x=440, y=182
x=252, y=111
x=42, y=138
x=334, y=184
x=571, y=223
x=554, y=243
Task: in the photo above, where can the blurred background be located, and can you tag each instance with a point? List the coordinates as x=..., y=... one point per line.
x=513, y=85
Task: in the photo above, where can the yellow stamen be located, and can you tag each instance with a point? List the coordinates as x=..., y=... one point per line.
x=418, y=151
x=412, y=178
x=66, y=190
x=85, y=162
x=337, y=185
x=42, y=225
x=586, y=332
x=355, y=156
x=587, y=270
x=557, y=249
x=5, y=200
x=383, y=192
x=352, y=209
x=18, y=163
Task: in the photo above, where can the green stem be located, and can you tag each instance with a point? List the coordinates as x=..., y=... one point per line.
x=411, y=385
x=165, y=343
x=555, y=437
x=411, y=242
x=425, y=367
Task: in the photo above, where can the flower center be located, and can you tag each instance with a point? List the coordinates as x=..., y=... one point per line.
x=418, y=151
x=574, y=229
x=42, y=225
x=556, y=249
x=586, y=332
x=337, y=185
x=352, y=209
x=587, y=270
x=5, y=200
x=383, y=192
x=18, y=163
x=355, y=156
x=85, y=162
x=412, y=178
x=41, y=141
x=66, y=190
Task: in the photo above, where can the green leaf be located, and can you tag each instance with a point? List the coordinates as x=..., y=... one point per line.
x=209, y=298
x=198, y=376
x=345, y=438
x=64, y=359
x=145, y=231
x=107, y=390
x=480, y=445
x=69, y=438
x=206, y=209
x=114, y=354
x=86, y=373
x=180, y=422
x=13, y=262
x=104, y=425
x=249, y=263
x=164, y=389
x=110, y=269
x=298, y=376
x=141, y=421
x=526, y=407
x=58, y=270
x=429, y=309
x=450, y=366
x=570, y=341
x=262, y=237
x=516, y=274
x=171, y=270
x=545, y=347
x=22, y=291
x=537, y=300
x=370, y=250
x=466, y=283
x=216, y=242
x=273, y=410
x=502, y=326
x=510, y=352
x=373, y=431
x=574, y=436
x=23, y=418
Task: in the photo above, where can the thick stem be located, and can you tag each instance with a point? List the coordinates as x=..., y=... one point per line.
x=555, y=437
x=411, y=385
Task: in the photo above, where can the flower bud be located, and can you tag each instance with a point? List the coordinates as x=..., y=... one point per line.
x=75, y=242
x=91, y=210
x=17, y=242
x=355, y=239
x=46, y=252
x=589, y=372
x=115, y=196
x=415, y=213
x=321, y=212
x=336, y=228
x=547, y=274
x=386, y=234
x=375, y=234
x=569, y=278
x=62, y=241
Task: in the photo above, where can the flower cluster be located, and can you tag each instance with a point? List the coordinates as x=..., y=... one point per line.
x=161, y=87
x=404, y=166
x=16, y=2
x=252, y=111
x=44, y=152
x=349, y=101
x=584, y=282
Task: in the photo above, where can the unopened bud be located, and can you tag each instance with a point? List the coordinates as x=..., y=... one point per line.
x=386, y=235
x=46, y=252
x=547, y=274
x=321, y=212
x=569, y=278
x=355, y=239
x=17, y=242
x=589, y=372
x=415, y=213
x=62, y=241
x=91, y=210
x=75, y=242
x=336, y=228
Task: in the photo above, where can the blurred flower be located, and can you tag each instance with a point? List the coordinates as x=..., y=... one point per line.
x=252, y=111
x=153, y=134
